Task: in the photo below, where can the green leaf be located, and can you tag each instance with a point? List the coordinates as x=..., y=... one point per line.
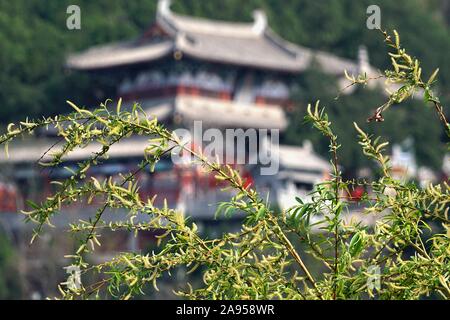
x=261, y=212
x=433, y=76
x=119, y=105
x=356, y=244
x=32, y=204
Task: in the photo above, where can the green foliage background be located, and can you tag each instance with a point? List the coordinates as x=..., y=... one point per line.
x=34, y=42
x=9, y=283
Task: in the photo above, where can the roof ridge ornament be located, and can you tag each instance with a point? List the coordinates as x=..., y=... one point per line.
x=308, y=146
x=363, y=60
x=260, y=21
x=163, y=8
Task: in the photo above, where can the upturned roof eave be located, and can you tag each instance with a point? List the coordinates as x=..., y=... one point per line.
x=288, y=57
x=169, y=24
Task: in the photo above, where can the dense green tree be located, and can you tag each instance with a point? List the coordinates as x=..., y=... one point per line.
x=402, y=254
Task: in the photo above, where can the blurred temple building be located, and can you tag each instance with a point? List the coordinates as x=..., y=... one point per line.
x=226, y=75
x=181, y=70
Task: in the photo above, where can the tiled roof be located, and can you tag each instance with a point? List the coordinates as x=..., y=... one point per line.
x=217, y=112
x=293, y=158
x=247, y=44
x=118, y=54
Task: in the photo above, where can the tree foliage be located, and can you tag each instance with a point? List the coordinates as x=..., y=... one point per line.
x=408, y=246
